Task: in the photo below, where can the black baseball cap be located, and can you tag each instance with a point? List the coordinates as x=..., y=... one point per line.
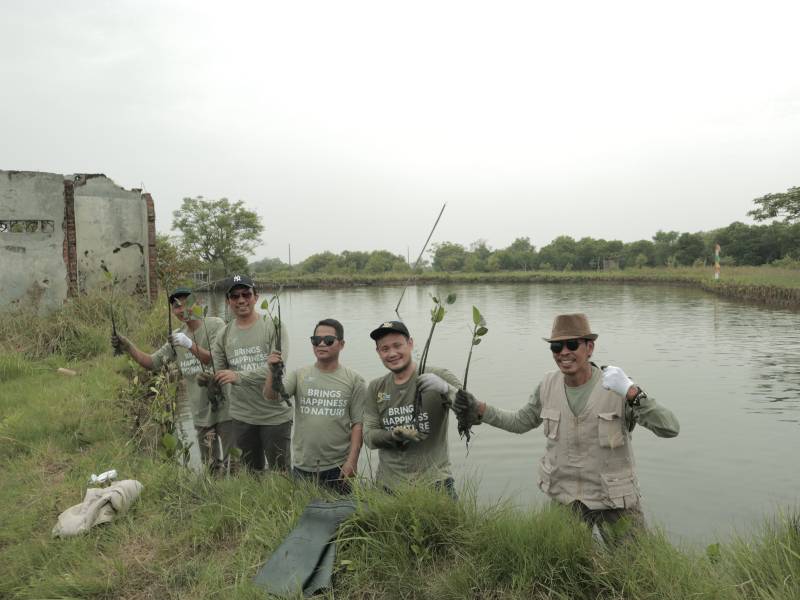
x=239, y=281
x=179, y=291
x=389, y=327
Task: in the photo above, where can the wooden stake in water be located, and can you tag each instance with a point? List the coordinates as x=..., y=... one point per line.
x=416, y=264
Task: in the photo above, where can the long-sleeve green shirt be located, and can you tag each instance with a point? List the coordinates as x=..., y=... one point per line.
x=649, y=414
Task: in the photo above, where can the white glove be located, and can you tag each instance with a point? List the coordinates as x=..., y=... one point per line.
x=181, y=339
x=430, y=382
x=614, y=379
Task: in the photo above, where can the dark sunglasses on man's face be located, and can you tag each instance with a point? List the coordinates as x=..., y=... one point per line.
x=572, y=345
x=327, y=340
x=236, y=295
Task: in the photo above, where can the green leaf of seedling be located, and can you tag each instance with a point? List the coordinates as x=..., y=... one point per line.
x=170, y=442
x=435, y=299
x=265, y=305
x=476, y=341
x=476, y=315
x=451, y=298
x=482, y=331
x=205, y=311
x=235, y=453
x=439, y=316
x=198, y=311
x=713, y=552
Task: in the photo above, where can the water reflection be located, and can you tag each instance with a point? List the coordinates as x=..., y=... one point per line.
x=731, y=373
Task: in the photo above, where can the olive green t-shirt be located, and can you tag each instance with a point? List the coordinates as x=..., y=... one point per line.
x=326, y=407
x=389, y=405
x=245, y=351
x=190, y=367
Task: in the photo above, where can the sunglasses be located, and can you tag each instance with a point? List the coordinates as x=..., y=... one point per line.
x=327, y=340
x=572, y=345
x=236, y=295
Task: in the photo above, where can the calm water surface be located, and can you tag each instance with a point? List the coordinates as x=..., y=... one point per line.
x=729, y=371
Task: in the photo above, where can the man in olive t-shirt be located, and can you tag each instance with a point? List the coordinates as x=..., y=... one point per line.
x=328, y=409
x=262, y=430
x=411, y=440
x=187, y=346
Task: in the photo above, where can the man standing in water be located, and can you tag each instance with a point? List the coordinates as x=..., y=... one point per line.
x=261, y=429
x=411, y=437
x=329, y=406
x=186, y=346
x=588, y=414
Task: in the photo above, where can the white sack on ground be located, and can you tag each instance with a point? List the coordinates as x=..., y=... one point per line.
x=100, y=505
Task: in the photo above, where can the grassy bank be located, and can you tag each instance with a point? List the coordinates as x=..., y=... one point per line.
x=769, y=285
x=193, y=537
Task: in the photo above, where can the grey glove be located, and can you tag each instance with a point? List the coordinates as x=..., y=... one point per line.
x=466, y=408
x=120, y=343
x=430, y=382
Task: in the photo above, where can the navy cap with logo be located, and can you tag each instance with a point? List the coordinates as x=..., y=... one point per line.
x=239, y=281
x=389, y=327
x=179, y=291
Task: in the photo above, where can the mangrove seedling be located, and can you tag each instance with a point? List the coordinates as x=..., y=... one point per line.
x=113, y=280
x=194, y=311
x=273, y=313
x=437, y=316
x=479, y=330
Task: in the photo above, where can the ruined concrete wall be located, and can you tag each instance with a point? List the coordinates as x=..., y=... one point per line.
x=32, y=248
x=57, y=231
x=111, y=227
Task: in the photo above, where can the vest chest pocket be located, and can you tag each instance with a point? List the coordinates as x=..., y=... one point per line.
x=550, y=421
x=609, y=429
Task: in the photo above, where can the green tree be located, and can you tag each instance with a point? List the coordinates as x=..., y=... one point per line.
x=786, y=204
x=323, y=262
x=218, y=231
x=172, y=265
x=640, y=253
x=520, y=255
x=448, y=256
x=267, y=265
x=382, y=261
x=689, y=247
x=664, y=243
x=560, y=254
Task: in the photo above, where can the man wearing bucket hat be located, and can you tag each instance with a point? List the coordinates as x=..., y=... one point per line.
x=410, y=436
x=587, y=416
x=187, y=348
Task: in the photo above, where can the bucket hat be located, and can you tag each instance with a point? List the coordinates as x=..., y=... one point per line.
x=570, y=327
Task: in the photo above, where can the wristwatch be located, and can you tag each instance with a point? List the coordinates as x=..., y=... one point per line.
x=637, y=399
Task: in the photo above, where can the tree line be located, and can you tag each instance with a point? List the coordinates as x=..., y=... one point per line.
x=215, y=237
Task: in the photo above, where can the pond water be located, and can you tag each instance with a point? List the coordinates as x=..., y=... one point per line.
x=729, y=371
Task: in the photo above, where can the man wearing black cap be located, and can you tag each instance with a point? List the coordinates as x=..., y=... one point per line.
x=186, y=346
x=262, y=429
x=409, y=430
x=587, y=416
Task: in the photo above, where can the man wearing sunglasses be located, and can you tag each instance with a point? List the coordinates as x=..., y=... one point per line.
x=187, y=347
x=262, y=430
x=409, y=431
x=328, y=409
x=587, y=416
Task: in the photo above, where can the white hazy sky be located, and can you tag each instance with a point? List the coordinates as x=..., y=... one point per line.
x=346, y=125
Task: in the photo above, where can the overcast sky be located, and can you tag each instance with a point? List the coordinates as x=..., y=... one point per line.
x=346, y=125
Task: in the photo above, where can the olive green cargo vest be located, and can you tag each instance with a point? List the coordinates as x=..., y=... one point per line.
x=588, y=457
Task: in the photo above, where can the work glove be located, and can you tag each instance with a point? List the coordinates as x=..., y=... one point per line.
x=405, y=434
x=430, y=382
x=466, y=408
x=614, y=379
x=181, y=339
x=120, y=343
